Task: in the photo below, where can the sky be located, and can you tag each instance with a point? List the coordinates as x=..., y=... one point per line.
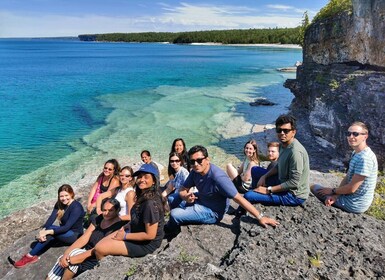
x=55, y=18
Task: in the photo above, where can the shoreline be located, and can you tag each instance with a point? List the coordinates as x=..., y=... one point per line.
x=285, y=46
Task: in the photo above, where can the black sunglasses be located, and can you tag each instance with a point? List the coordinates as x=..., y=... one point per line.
x=177, y=160
x=284, y=130
x=198, y=160
x=355, y=134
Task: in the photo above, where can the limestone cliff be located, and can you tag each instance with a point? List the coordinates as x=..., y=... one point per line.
x=342, y=79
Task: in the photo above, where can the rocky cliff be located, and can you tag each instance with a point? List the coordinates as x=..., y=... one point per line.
x=342, y=79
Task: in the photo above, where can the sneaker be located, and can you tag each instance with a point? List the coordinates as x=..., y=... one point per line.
x=26, y=260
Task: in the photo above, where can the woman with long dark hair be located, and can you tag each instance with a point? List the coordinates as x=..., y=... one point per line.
x=179, y=146
x=147, y=220
x=69, y=213
x=107, y=180
x=125, y=194
x=177, y=177
x=79, y=256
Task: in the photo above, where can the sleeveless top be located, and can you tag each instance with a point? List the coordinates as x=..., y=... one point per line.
x=120, y=196
x=246, y=163
x=101, y=188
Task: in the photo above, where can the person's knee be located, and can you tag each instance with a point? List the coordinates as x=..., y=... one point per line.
x=315, y=188
x=100, y=250
x=249, y=195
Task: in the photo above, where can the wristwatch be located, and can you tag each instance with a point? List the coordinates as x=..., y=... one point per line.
x=269, y=189
x=333, y=190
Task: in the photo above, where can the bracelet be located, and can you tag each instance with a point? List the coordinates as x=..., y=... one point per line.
x=125, y=235
x=260, y=216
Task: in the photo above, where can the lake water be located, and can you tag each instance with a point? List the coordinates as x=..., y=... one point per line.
x=68, y=106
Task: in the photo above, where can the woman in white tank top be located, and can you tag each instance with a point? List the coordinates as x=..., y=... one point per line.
x=125, y=194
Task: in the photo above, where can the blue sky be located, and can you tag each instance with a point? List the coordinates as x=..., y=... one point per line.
x=49, y=18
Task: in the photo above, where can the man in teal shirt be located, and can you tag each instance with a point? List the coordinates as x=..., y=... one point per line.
x=292, y=168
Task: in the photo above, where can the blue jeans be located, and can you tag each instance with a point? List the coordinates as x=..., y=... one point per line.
x=174, y=200
x=257, y=172
x=67, y=238
x=194, y=214
x=281, y=198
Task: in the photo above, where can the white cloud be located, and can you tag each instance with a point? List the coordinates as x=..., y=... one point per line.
x=185, y=17
x=280, y=7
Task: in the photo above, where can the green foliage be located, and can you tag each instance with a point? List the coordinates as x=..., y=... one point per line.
x=320, y=78
x=291, y=261
x=334, y=7
x=131, y=271
x=235, y=36
x=305, y=24
x=185, y=257
x=316, y=260
x=377, y=209
x=334, y=84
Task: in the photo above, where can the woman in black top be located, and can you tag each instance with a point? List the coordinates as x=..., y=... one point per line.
x=68, y=264
x=147, y=220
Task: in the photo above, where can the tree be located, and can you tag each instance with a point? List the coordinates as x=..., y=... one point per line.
x=305, y=24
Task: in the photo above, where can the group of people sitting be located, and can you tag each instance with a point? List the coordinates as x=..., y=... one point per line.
x=126, y=209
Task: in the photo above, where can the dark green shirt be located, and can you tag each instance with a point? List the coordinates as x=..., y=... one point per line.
x=293, y=169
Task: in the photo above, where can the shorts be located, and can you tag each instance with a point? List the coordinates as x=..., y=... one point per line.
x=138, y=249
x=57, y=271
x=241, y=186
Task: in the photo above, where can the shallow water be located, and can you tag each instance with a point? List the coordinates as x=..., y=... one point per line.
x=69, y=106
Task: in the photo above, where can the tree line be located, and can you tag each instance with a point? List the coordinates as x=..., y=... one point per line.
x=234, y=36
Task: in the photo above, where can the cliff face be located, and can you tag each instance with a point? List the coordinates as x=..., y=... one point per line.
x=342, y=79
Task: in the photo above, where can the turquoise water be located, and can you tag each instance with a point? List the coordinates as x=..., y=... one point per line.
x=68, y=106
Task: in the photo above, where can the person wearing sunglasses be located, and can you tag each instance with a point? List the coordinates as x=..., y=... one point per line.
x=177, y=174
x=292, y=170
x=356, y=191
x=147, y=220
x=107, y=180
x=125, y=194
x=214, y=191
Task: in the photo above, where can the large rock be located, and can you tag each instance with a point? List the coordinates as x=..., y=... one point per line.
x=346, y=37
x=342, y=80
x=312, y=242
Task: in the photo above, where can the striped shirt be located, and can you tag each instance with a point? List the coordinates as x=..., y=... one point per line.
x=365, y=164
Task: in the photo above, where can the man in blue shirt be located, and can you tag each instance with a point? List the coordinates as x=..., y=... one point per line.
x=214, y=191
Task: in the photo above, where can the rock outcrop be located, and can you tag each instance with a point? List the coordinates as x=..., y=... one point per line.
x=342, y=80
x=312, y=242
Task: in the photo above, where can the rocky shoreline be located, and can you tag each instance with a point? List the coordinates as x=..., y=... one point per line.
x=312, y=242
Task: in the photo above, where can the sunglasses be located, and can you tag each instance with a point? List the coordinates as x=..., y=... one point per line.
x=198, y=160
x=109, y=169
x=127, y=176
x=355, y=134
x=177, y=160
x=284, y=130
